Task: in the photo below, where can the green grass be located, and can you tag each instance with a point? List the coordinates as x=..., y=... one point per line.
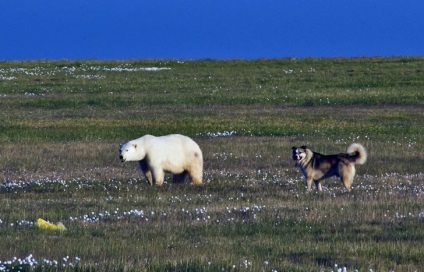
x=62, y=121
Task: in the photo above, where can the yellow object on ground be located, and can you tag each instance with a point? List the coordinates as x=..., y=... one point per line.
x=44, y=225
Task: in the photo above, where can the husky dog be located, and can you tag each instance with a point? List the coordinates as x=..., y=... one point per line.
x=317, y=167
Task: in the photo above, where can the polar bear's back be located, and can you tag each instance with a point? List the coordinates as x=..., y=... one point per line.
x=179, y=143
x=171, y=149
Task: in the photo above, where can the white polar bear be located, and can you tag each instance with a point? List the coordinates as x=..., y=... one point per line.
x=175, y=153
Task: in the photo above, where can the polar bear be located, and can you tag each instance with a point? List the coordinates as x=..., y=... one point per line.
x=175, y=153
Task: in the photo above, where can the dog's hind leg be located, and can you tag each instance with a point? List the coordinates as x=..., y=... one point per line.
x=347, y=177
x=318, y=185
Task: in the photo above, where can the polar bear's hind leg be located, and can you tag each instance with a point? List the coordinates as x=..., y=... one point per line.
x=196, y=174
x=196, y=170
x=195, y=178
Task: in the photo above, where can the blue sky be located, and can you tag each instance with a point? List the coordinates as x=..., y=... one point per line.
x=216, y=29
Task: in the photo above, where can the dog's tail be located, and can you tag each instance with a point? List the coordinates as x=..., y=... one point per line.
x=357, y=153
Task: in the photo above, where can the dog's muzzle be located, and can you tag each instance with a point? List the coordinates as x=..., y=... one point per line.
x=295, y=155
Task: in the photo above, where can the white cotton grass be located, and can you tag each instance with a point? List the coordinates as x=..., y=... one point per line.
x=225, y=133
x=79, y=72
x=209, y=207
x=30, y=262
x=236, y=213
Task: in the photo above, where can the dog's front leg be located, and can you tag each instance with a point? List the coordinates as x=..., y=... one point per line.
x=309, y=184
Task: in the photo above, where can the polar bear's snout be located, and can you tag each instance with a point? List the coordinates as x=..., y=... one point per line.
x=122, y=156
x=121, y=151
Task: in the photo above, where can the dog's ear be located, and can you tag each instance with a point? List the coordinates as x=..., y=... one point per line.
x=293, y=147
x=304, y=147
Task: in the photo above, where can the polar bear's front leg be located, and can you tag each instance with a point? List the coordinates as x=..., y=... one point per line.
x=146, y=171
x=158, y=176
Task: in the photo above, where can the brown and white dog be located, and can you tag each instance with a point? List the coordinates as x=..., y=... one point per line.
x=317, y=167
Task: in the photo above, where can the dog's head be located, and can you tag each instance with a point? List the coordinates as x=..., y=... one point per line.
x=299, y=153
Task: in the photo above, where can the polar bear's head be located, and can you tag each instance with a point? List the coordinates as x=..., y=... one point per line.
x=130, y=152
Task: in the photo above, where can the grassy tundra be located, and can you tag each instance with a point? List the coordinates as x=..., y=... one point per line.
x=61, y=123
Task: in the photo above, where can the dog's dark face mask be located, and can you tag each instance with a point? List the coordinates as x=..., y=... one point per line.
x=298, y=153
